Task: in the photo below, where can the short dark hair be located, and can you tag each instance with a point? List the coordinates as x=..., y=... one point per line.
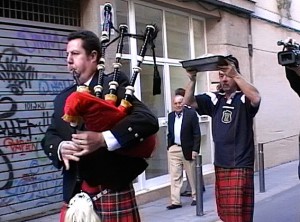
x=180, y=91
x=90, y=40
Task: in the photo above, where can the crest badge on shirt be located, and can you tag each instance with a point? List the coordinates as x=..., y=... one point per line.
x=227, y=116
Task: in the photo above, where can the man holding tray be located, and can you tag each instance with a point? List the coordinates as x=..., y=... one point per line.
x=232, y=110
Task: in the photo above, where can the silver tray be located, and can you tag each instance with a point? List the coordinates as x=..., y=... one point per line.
x=210, y=63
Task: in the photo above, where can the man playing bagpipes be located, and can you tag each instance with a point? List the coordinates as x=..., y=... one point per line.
x=90, y=160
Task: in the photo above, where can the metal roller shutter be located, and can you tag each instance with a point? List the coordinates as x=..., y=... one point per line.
x=32, y=72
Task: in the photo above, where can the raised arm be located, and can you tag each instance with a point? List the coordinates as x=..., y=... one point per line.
x=189, y=97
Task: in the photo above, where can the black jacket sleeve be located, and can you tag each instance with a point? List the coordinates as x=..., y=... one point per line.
x=138, y=124
x=294, y=80
x=196, y=132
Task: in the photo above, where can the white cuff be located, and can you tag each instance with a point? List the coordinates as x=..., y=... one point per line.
x=58, y=150
x=111, y=141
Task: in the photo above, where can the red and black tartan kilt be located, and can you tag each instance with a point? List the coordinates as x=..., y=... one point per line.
x=235, y=194
x=116, y=206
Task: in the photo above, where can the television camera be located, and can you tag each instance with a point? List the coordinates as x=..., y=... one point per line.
x=290, y=54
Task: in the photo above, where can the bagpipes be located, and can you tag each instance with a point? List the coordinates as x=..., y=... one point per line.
x=99, y=114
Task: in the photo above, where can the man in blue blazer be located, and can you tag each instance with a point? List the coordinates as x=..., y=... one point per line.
x=184, y=139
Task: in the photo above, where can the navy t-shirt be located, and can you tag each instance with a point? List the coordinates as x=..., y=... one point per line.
x=232, y=128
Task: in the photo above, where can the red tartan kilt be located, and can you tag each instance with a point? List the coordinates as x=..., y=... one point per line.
x=235, y=194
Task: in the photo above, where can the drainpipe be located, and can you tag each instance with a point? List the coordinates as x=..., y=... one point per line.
x=250, y=53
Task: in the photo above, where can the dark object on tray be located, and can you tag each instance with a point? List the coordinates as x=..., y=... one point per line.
x=210, y=63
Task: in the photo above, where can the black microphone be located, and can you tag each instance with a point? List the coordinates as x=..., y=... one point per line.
x=106, y=27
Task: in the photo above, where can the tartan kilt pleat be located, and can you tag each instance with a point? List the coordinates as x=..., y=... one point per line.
x=115, y=206
x=235, y=194
x=118, y=207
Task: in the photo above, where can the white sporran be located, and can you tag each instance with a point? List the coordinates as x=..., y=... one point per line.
x=81, y=209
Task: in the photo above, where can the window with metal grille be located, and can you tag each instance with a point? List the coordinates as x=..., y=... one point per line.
x=63, y=12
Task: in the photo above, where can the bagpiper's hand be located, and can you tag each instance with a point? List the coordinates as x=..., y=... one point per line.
x=67, y=151
x=88, y=141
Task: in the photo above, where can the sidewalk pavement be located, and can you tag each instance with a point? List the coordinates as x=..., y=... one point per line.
x=277, y=180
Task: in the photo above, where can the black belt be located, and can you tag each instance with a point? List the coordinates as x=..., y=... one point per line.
x=177, y=144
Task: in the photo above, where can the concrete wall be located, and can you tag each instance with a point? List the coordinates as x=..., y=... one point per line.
x=271, y=11
x=222, y=39
x=279, y=113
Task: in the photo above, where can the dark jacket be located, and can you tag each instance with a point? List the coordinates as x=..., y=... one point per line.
x=294, y=80
x=101, y=167
x=190, y=135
